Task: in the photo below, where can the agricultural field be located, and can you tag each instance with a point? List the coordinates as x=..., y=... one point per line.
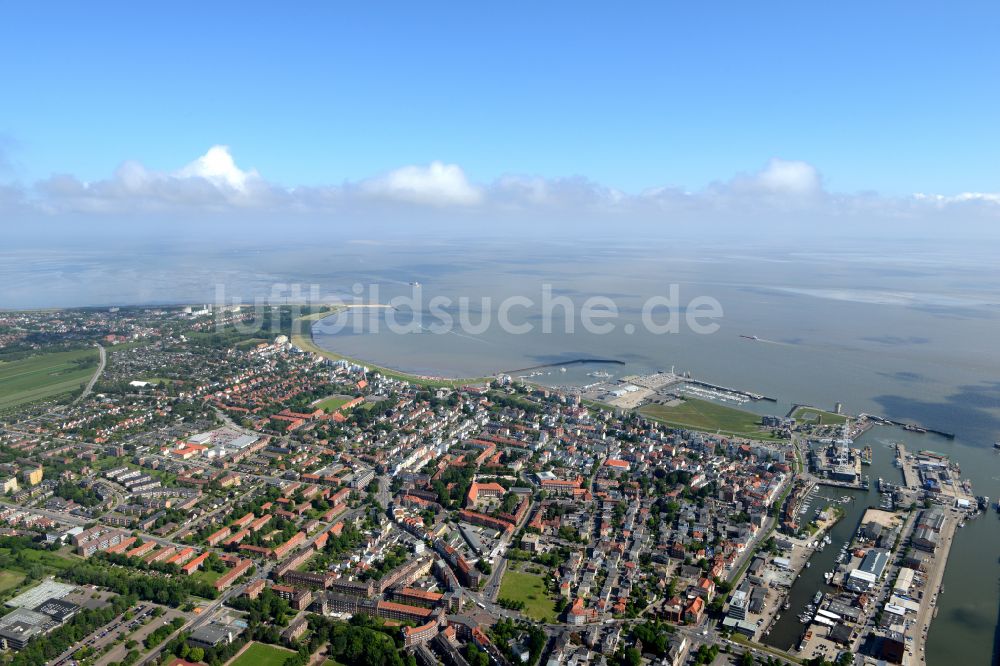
x=45, y=376
x=529, y=588
x=695, y=414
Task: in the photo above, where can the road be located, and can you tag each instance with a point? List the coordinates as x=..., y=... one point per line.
x=762, y=534
x=93, y=380
x=77, y=520
x=384, y=494
x=107, y=633
x=206, y=614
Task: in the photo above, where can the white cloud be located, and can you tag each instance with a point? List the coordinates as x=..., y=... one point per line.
x=790, y=177
x=784, y=192
x=212, y=181
x=964, y=197
x=436, y=184
x=781, y=178
x=218, y=167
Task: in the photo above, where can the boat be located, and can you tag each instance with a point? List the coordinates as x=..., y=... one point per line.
x=749, y=337
x=817, y=597
x=996, y=445
x=414, y=284
x=807, y=565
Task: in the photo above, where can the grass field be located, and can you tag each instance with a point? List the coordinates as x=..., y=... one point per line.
x=252, y=342
x=52, y=562
x=706, y=416
x=45, y=376
x=158, y=380
x=333, y=403
x=259, y=654
x=208, y=577
x=818, y=416
x=529, y=588
x=9, y=580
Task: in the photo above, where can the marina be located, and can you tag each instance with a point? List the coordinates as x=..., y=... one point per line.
x=819, y=591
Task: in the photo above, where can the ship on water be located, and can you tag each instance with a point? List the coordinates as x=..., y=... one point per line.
x=866, y=455
x=749, y=337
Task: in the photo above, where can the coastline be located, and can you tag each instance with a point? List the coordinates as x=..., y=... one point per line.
x=302, y=338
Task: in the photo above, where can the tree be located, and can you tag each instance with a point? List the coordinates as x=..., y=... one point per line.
x=196, y=654
x=477, y=657
x=631, y=657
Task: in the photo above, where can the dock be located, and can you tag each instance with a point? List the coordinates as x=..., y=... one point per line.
x=756, y=397
x=910, y=477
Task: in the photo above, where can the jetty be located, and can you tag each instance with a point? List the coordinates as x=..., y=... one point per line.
x=909, y=427
x=559, y=364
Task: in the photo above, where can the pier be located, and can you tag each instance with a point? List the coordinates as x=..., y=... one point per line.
x=910, y=477
x=753, y=396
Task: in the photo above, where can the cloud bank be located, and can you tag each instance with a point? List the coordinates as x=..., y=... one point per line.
x=782, y=192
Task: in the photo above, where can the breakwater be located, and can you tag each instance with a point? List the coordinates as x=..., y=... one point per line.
x=560, y=364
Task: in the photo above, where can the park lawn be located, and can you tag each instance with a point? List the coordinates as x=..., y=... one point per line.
x=818, y=416
x=259, y=654
x=696, y=414
x=333, y=403
x=529, y=588
x=45, y=376
x=206, y=576
x=9, y=580
x=158, y=380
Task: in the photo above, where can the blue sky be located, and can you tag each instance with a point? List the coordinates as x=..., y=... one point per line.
x=891, y=97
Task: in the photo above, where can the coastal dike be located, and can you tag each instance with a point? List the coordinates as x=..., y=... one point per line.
x=935, y=574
